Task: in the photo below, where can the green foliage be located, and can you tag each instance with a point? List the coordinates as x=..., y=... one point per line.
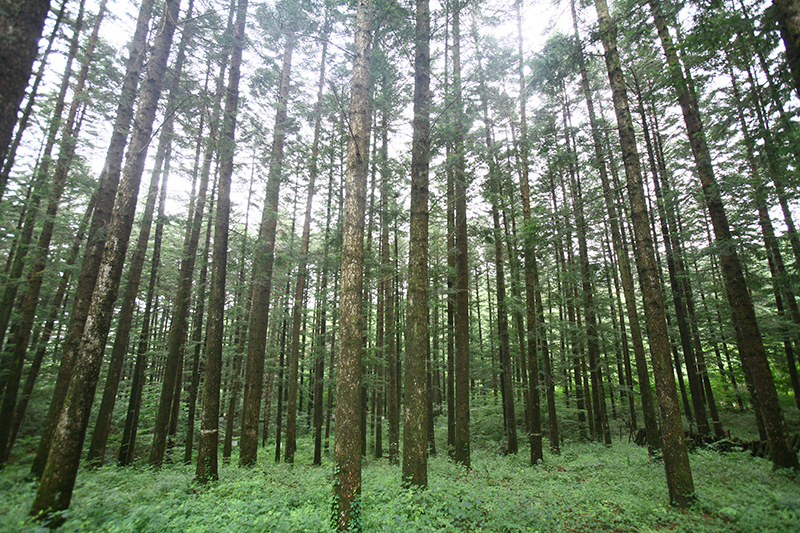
x=587, y=488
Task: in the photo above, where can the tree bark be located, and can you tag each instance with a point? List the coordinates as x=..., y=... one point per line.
x=415, y=427
x=55, y=490
x=207, y=468
x=22, y=24
x=98, y=232
x=347, y=447
x=676, y=460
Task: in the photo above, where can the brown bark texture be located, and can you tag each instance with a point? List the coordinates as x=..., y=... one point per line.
x=676, y=459
x=58, y=479
x=415, y=426
x=347, y=445
x=22, y=24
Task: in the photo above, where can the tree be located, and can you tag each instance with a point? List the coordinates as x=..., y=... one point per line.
x=461, y=367
x=209, y=430
x=748, y=335
x=535, y=431
x=347, y=447
x=97, y=234
x=676, y=460
x=415, y=434
x=58, y=479
x=263, y=266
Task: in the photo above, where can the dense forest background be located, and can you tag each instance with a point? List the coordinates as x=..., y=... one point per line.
x=476, y=235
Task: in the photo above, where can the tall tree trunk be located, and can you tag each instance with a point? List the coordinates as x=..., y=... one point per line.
x=415, y=429
x=263, y=272
x=347, y=449
x=98, y=232
x=291, y=418
x=748, y=336
x=198, y=341
x=178, y=327
x=55, y=490
x=209, y=429
x=506, y=377
x=461, y=288
x=535, y=435
x=676, y=459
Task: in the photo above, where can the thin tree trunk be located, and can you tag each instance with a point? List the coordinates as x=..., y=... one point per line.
x=461, y=288
x=535, y=435
x=209, y=429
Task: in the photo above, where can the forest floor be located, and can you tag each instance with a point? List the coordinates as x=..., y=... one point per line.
x=588, y=487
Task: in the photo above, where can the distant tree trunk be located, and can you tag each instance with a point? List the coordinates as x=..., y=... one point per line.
x=291, y=419
x=506, y=377
x=535, y=435
x=415, y=429
x=22, y=24
x=676, y=459
x=198, y=342
x=751, y=347
x=209, y=429
x=387, y=287
x=461, y=360
x=347, y=450
x=319, y=370
x=263, y=272
x=55, y=490
x=98, y=231
x=127, y=446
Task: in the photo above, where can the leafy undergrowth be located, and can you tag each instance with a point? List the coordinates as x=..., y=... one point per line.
x=587, y=488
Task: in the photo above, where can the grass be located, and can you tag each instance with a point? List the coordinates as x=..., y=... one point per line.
x=587, y=488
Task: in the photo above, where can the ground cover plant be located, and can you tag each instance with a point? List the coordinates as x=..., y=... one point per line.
x=588, y=487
